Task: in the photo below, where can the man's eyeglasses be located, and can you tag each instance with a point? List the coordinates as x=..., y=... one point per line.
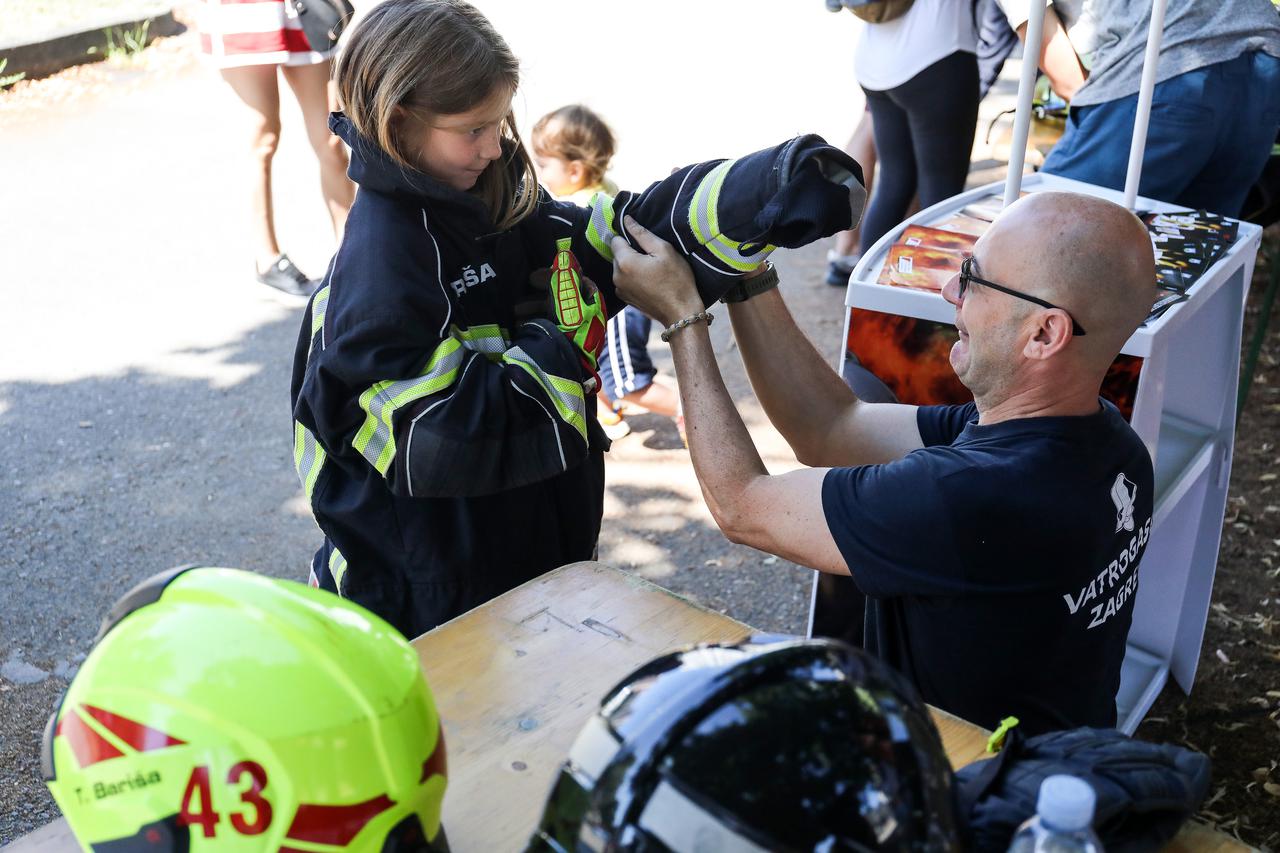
x=967, y=277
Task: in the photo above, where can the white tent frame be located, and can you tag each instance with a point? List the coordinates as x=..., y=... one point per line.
x=1027, y=85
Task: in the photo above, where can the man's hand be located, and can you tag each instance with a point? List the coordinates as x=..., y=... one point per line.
x=659, y=282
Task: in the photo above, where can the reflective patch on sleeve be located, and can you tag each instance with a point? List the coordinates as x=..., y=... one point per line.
x=564, y=394
x=319, y=306
x=600, y=231
x=308, y=455
x=308, y=458
x=489, y=340
x=375, y=440
x=337, y=568
x=705, y=224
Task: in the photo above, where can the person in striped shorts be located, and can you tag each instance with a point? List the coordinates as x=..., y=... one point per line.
x=253, y=43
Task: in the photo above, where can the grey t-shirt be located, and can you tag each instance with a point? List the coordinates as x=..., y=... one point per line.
x=1111, y=37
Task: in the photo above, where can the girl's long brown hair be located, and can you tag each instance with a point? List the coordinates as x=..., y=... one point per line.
x=431, y=58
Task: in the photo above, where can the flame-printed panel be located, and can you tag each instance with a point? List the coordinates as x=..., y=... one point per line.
x=911, y=357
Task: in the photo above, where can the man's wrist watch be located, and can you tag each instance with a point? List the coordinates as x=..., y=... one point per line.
x=754, y=286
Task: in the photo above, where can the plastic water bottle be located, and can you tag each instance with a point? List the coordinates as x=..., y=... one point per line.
x=1063, y=822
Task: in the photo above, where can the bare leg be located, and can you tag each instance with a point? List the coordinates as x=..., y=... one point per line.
x=314, y=90
x=256, y=88
x=658, y=397
x=861, y=147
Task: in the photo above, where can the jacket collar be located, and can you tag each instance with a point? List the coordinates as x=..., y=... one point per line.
x=373, y=169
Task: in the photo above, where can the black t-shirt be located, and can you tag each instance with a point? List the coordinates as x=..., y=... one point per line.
x=1000, y=562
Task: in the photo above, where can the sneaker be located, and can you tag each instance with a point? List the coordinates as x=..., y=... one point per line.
x=839, y=268
x=284, y=276
x=614, y=425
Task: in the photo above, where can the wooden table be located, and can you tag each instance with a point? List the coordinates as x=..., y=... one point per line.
x=516, y=679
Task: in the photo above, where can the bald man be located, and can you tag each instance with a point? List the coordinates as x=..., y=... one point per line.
x=997, y=542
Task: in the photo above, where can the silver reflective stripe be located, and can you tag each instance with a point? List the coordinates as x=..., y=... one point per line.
x=682, y=824
x=564, y=394
x=374, y=440
x=705, y=224
x=702, y=211
x=600, y=225
x=308, y=457
x=337, y=568
x=594, y=749
x=319, y=306
x=488, y=340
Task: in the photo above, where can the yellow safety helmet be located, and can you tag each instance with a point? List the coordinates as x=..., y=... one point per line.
x=222, y=710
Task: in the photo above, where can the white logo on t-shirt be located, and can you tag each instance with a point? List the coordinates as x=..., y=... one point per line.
x=1123, y=491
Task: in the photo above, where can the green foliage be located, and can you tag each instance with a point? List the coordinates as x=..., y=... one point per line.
x=124, y=43
x=7, y=80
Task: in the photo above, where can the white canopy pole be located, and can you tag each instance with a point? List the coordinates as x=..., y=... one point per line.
x=1026, y=90
x=1138, y=146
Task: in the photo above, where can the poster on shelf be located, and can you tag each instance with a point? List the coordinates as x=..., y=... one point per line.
x=912, y=358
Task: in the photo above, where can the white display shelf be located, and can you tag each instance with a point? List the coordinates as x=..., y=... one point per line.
x=1184, y=412
x=1184, y=452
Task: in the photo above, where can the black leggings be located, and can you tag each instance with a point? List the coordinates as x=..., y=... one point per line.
x=924, y=134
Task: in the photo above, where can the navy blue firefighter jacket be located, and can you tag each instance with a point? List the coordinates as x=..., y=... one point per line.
x=447, y=448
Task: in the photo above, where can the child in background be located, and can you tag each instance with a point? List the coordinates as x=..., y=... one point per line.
x=572, y=147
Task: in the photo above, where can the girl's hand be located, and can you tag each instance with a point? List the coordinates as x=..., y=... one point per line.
x=658, y=282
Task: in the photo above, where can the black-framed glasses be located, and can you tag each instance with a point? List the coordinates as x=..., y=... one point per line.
x=967, y=276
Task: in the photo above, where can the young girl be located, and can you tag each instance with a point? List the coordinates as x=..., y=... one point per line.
x=572, y=147
x=446, y=438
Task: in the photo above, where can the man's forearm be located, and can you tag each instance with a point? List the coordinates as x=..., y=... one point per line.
x=1058, y=58
x=799, y=391
x=724, y=456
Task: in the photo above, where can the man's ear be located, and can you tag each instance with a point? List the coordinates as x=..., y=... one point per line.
x=1052, y=332
x=576, y=172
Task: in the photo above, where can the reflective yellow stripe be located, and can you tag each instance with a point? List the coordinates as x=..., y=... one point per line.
x=565, y=394
x=308, y=457
x=319, y=306
x=375, y=440
x=489, y=340
x=996, y=741
x=600, y=226
x=704, y=222
x=337, y=568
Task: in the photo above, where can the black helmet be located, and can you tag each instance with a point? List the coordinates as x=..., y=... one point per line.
x=763, y=745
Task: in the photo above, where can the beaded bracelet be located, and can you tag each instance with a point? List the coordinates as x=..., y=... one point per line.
x=701, y=316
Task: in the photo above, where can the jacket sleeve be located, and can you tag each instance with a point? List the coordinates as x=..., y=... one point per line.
x=725, y=216
x=436, y=410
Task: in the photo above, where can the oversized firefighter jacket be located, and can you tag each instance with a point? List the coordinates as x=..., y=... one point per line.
x=448, y=450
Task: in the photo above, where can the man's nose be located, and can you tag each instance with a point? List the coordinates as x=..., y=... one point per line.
x=951, y=290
